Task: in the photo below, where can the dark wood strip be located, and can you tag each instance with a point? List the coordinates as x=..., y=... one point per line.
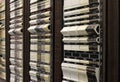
x=113, y=41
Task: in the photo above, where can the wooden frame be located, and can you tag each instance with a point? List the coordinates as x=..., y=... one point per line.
x=58, y=55
x=113, y=40
x=104, y=40
x=7, y=18
x=26, y=40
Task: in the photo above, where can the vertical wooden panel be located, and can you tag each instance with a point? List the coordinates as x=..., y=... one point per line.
x=57, y=22
x=113, y=41
x=26, y=41
x=104, y=25
x=7, y=39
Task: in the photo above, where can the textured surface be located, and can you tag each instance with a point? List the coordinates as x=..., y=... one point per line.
x=1, y=80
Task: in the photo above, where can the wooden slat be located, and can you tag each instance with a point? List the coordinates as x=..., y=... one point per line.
x=104, y=26
x=7, y=19
x=26, y=41
x=58, y=53
x=113, y=41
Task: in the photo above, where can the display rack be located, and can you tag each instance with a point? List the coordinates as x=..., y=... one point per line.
x=41, y=45
x=26, y=42
x=82, y=41
x=16, y=40
x=16, y=28
x=101, y=60
x=2, y=40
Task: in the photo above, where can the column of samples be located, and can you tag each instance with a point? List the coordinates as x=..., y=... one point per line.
x=16, y=41
x=82, y=42
x=2, y=39
x=40, y=41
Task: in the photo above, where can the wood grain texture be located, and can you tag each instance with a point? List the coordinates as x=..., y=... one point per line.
x=113, y=41
x=26, y=40
x=7, y=18
x=58, y=23
x=104, y=41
